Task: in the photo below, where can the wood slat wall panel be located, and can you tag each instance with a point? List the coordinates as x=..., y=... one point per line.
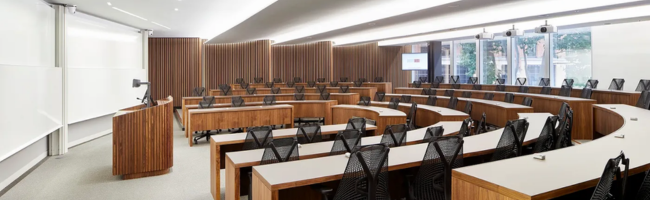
x=307, y=61
x=174, y=67
x=226, y=62
x=370, y=61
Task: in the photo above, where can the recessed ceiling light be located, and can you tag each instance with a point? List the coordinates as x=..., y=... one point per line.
x=161, y=25
x=176, y=9
x=128, y=13
x=109, y=3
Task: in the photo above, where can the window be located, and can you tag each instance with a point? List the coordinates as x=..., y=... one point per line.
x=571, y=56
x=494, y=60
x=527, y=58
x=465, y=59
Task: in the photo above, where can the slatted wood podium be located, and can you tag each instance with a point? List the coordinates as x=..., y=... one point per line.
x=143, y=140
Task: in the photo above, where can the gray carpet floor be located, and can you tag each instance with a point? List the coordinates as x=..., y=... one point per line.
x=86, y=173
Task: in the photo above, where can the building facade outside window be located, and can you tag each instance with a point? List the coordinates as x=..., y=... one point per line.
x=494, y=60
x=571, y=56
x=528, y=54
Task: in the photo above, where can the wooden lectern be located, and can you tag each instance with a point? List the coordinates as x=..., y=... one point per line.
x=143, y=140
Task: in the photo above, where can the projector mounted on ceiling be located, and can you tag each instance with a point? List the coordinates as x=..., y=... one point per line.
x=513, y=32
x=484, y=36
x=546, y=28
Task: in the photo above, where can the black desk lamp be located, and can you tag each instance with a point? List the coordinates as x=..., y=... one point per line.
x=147, y=95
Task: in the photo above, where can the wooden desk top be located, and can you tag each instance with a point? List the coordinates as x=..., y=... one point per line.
x=218, y=105
x=262, y=95
x=235, y=109
x=547, y=96
x=312, y=171
x=235, y=138
x=442, y=110
x=447, y=85
x=570, y=166
x=383, y=112
x=483, y=101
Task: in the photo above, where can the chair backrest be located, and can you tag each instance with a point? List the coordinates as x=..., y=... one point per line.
x=258, y=137
x=269, y=84
x=449, y=93
x=343, y=79
x=508, y=146
x=523, y=89
x=345, y=141
x=406, y=99
x=356, y=124
x=521, y=81
x=311, y=84
x=277, y=80
x=466, y=128
x=565, y=91
x=501, y=81
x=592, y=83
x=563, y=110
x=500, y=88
x=545, y=82
x=321, y=80
x=394, y=103
x=251, y=91
x=395, y=135
x=454, y=79
x=225, y=90
x=299, y=89
x=644, y=100
x=434, y=85
x=432, y=133
x=509, y=98
x=276, y=90
x=546, y=139
x=358, y=83
x=244, y=85
x=299, y=96
x=363, y=80
x=432, y=100
x=617, y=84
x=568, y=82
x=207, y=102
x=291, y=84
x=417, y=84
x=239, y=80
x=477, y=87
x=528, y=101
x=453, y=101
x=564, y=133
x=364, y=101
x=521, y=128
x=545, y=90
x=468, y=108
x=334, y=84
x=380, y=79
x=344, y=89
x=424, y=79
x=586, y=93
x=325, y=96
x=237, y=101
x=269, y=100
x=366, y=174
x=297, y=80
x=644, y=190
x=488, y=96
x=309, y=134
x=467, y=94
x=433, y=179
x=455, y=86
x=412, y=115
x=428, y=91
x=472, y=80
x=198, y=91
x=481, y=126
x=321, y=88
x=439, y=79
x=258, y=80
x=280, y=150
x=612, y=170
x=379, y=96
x=644, y=84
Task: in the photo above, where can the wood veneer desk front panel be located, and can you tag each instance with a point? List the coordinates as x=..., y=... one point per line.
x=223, y=118
x=362, y=91
x=271, y=182
x=527, y=178
x=143, y=142
x=386, y=87
x=427, y=115
x=384, y=116
x=342, y=98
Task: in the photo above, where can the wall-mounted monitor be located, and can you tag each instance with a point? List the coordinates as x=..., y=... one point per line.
x=414, y=61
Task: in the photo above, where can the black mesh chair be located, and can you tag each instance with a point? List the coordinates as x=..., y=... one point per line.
x=321, y=80
x=276, y=90
x=439, y=79
x=432, y=100
x=545, y=90
x=477, y=87
x=508, y=146
x=299, y=97
x=321, y=88
x=410, y=118
x=237, y=101
x=269, y=84
x=406, y=99
x=207, y=102
x=644, y=100
x=357, y=83
x=521, y=81
x=453, y=101
x=334, y=84
x=500, y=88
x=617, y=84
x=563, y=110
x=344, y=89
x=481, y=126
x=644, y=190
x=379, y=96
x=509, y=98
x=291, y=84
x=432, y=133
x=501, y=81
x=239, y=80
x=468, y=108
x=299, y=89
x=488, y=96
x=394, y=103
x=356, y=124
x=428, y=91
x=455, y=86
x=545, y=82
x=311, y=84
x=565, y=91
x=434, y=85
x=380, y=79
x=258, y=137
x=277, y=151
x=466, y=128
x=198, y=91
x=521, y=128
x=417, y=84
x=454, y=79
x=395, y=135
x=364, y=101
x=225, y=90
x=568, y=82
x=564, y=133
x=345, y=141
x=586, y=93
x=592, y=83
x=644, y=84
x=363, y=80
x=297, y=80
x=258, y=80
x=277, y=80
x=309, y=134
x=365, y=176
x=472, y=80
x=268, y=100
x=527, y=101
x=467, y=94
x=343, y=79
x=612, y=170
x=449, y=93
x=325, y=96
x=523, y=89
x=244, y=86
x=423, y=79
x=546, y=139
x=251, y=91
x=433, y=179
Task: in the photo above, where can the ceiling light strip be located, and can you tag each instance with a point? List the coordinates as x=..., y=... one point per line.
x=161, y=25
x=128, y=13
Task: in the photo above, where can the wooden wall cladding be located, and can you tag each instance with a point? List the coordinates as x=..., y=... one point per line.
x=370, y=61
x=174, y=67
x=307, y=61
x=226, y=62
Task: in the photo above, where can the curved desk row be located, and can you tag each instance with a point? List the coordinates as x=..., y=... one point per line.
x=386, y=87
x=583, y=126
x=565, y=170
x=426, y=115
x=362, y=91
x=603, y=96
x=342, y=98
x=271, y=182
x=383, y=115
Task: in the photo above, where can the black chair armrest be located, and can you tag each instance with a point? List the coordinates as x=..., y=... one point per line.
x=324, y=190
x=408, y=178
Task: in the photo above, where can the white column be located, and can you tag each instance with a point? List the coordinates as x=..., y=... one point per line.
x=58, y=140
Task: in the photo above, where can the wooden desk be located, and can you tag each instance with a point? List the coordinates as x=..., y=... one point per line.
x=427, y=115
x=222, y=118
x=497, y=113
x=256, y=85
x=271, y=182
x=386, y=87
x=221, y=144
x=143, y=142
x=384, y=116
x=565, y=170
x=237, y=160
x=582, y=112
x=362, y=91
x=301, y=109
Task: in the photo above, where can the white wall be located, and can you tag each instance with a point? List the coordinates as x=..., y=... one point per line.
x=621, y=51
